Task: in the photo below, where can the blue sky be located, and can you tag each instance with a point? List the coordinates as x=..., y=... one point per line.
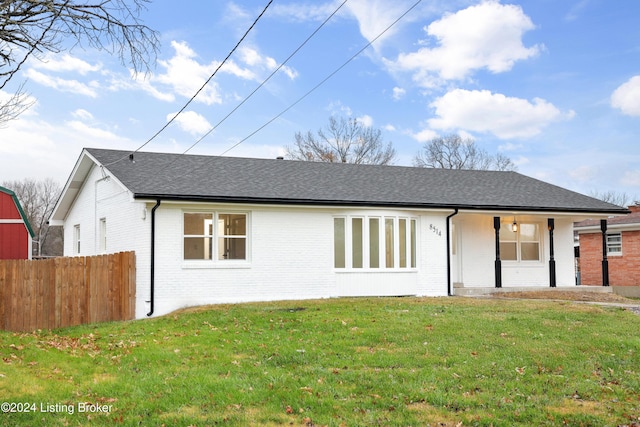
x=554, y=85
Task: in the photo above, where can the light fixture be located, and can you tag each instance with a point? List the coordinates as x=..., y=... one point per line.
x=514, y=226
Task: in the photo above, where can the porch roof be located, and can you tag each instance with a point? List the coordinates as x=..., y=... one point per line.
x=274, y=181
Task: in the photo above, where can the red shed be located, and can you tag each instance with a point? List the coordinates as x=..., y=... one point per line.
x=15, y=230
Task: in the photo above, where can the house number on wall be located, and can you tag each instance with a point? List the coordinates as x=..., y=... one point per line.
x=435, y=229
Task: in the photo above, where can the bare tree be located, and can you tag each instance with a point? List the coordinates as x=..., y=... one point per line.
x=343, y=141
x=34, y=27
x=453, y=152
x=38, y=198
x=614, y=197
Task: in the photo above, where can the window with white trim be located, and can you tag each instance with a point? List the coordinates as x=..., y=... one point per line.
x=103, y=235
x=524, y=244
x=614, y=243
x=374, y=242
x=227, y=241
x=76, y=239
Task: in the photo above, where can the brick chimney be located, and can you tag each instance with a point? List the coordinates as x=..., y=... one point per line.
x=635, y=208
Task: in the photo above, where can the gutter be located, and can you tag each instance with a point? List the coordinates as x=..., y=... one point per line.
x=455, y=212
x=368, y=203
x=153, y=257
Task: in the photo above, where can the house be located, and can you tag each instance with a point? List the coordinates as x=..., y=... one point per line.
x=211, y=229
x=16, y=235
x=616, y=241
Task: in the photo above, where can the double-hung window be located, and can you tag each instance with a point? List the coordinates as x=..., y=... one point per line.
x=226, y=241
x=76, y=239
x=614, y=244
x=374, y=242
x=524, y=244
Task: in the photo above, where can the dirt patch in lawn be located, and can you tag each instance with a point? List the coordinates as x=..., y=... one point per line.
x=569, y=296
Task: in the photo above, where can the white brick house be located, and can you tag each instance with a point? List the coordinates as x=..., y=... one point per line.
x=219, y=229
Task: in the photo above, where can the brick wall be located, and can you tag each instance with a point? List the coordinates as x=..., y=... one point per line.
x=624, y=270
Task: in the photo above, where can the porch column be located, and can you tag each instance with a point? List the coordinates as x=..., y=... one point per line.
x=552, y=260
x=498, y=263
x=605, y=261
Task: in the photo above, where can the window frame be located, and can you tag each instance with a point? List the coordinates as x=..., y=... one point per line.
x=611, y=244
x=519, y=241
x=76, y=239
x=215, y=237
x=388, y=258
x=102, y=235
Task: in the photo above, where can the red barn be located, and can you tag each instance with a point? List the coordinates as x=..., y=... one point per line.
x=15, y=231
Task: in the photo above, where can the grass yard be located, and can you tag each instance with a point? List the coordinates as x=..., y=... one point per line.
x=337, y=362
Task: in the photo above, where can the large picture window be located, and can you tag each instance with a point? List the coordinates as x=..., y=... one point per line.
x=362, y=242
x=520, y=245
x=203, y=241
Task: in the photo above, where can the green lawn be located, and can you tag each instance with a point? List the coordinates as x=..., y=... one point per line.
x=352, y=362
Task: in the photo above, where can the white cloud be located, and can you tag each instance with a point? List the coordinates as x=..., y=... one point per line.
x=82, y=114
x=398, y=93
x=185, y=75
x=65, y=63
x=191, y=122
x=366, y=120
x=424, y=135
x=63, y=85
x=483, y=111
x=626, y=98
x=303, y=12
x=374, y=16
x=485, y=36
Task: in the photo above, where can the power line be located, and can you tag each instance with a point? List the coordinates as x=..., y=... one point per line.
x=267, y=79
x=323, y=81
x=200, y=89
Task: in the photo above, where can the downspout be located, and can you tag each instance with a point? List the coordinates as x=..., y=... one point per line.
x=153, y=256
x=455, y=212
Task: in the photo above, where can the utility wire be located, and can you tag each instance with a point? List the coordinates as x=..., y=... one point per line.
x=323, y=81
x=267, y=79
x=200, y=89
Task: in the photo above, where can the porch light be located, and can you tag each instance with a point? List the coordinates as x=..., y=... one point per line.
x=514, y=226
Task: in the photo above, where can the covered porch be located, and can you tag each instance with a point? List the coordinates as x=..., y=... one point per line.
x=511, y=251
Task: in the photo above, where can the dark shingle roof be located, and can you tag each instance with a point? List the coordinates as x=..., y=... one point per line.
x=210, y=178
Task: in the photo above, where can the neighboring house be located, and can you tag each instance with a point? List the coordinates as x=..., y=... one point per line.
x=220, y=229
x=16, y=235
x=621, y=249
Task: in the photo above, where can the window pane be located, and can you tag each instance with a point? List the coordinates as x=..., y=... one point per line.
x=356, y=242
x=413, y=243
x=198, y=224
x=388, y=239
x=530, y=251
x=529, y=233
x=402, y=231
x=338, y=242
x=374, y=243
x=232, y=248
x=506, y=232
x=232, y=224
x=508, y=251
x=197, y=247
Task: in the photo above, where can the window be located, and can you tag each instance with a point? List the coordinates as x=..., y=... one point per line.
x=76, y=239
x=229, y=237
x=614, y=244
x=232, y=236
x=103, y=235
x=374, y=242
x=520, y=245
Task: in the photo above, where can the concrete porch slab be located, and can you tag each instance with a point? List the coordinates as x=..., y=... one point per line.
x=459, y=291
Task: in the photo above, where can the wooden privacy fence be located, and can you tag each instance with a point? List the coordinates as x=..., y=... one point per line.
x=59, y=292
